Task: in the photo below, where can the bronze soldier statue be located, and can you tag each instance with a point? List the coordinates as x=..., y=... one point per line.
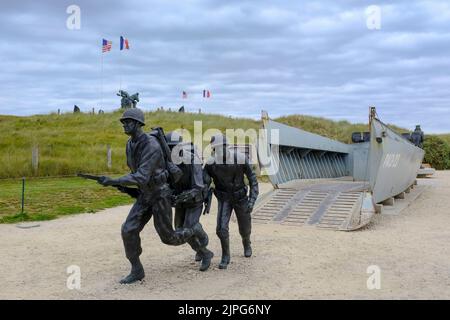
x=147, y=164
x=227, y=169
x=128, y=101
x=189, y=195
x=417, y=137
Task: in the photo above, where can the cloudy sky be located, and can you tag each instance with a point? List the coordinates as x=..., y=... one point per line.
x=305, y=57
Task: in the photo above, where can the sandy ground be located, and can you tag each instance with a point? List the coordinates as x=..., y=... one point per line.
x=289, y=262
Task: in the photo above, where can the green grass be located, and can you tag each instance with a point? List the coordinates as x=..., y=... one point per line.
x=70, y=143
x=338, y=130
x=48, y=198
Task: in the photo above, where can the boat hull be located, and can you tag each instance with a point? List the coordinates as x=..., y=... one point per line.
x=393, y=162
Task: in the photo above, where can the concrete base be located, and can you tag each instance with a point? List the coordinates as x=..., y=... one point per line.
x=378, y=208
x=388, y=202
x=401, y=204
x=400, y=196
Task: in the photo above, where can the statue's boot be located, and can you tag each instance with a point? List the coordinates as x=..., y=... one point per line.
x=225, y=253
x=198, y=256
x=204, y=240
x=207, y=255
x=247, y=247
x=137, y=272
x=197, y=246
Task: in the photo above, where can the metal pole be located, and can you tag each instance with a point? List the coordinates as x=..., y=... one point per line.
x=23, y=193
x=101, y=82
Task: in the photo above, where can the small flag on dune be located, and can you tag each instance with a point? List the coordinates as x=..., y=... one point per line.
x=106, y=45
x=124, y=43
x=184, y=95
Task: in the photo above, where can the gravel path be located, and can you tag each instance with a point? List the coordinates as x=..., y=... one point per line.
x=411, y=249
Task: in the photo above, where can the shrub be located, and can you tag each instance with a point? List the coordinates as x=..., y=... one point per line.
x=437, y=152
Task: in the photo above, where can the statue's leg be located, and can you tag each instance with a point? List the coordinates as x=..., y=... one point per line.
x=244, y=220
x=223, y=221
x=136, y=220
x=191, y=219
x=180, y=214
x=162, y=219
x=200, y=240
x=187, y=218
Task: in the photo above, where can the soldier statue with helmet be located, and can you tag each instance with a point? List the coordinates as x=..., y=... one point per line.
x=189, y=194
x=227, y=169
x=148, y=183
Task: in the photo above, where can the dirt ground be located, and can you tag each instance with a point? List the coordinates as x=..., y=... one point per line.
x=289, y=262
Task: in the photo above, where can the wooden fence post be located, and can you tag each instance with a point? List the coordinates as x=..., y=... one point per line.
x=108, y=156
x=35, y=158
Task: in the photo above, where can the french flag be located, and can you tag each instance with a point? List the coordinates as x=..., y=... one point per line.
x=206, y=94
x=124, y=43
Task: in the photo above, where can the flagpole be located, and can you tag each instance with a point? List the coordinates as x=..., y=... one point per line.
x=121, y=48
x=120, y=69
x=101, y=80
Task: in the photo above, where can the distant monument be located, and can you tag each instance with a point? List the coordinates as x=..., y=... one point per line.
x=76, y=109
x=128, y=101
x=181, y=109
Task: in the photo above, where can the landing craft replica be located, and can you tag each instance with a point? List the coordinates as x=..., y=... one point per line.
x=329, y=184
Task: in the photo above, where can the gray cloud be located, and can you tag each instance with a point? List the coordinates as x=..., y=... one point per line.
x=283, y=56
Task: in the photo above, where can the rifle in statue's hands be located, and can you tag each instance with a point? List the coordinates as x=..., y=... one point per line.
x=191, y=196
x=103, y=180
x=90, y=177
x=175, y=173
x=132, y=192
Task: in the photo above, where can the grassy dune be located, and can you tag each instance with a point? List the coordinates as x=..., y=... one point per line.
x=338, y=130
x=70, y=143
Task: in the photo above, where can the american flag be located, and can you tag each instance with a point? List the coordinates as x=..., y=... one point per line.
x=106, y=45
x=184, y=95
